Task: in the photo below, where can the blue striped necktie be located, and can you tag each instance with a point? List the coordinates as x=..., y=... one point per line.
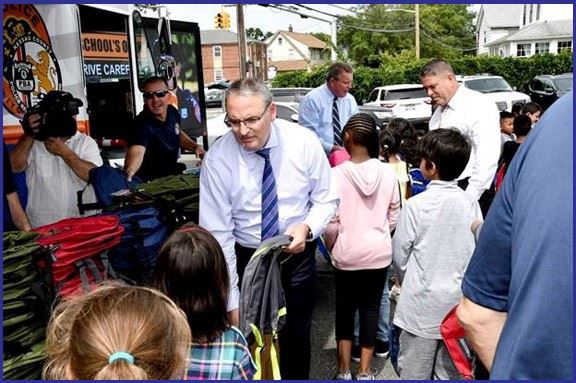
x=336, y=123
x=269, y=226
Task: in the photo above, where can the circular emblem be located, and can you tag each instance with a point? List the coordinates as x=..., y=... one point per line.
x=30, y=66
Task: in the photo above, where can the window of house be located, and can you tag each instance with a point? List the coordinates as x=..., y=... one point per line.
x=523, y=50
x=217, y=51
x=279, y=40
x=218, y=75
x=291, y=53
x=485, y=36
x=542, y=48
x=564, y=46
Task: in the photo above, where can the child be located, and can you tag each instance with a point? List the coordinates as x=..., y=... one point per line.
x=360, y=240
x=522, y=126
x=532, y=110
x=389, y=151
x=431, y=249
x=506, y=128
x=191, y=269
x=117, y=332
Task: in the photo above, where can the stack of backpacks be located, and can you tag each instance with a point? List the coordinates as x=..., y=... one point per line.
x=70, y=256
x=26, y=306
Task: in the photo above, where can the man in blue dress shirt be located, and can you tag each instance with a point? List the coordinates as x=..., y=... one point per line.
x=326, y=109
x=231, y=206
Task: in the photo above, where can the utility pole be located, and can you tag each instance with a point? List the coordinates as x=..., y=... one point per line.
x=417, y=30
x=241, y=39
x=334, y=40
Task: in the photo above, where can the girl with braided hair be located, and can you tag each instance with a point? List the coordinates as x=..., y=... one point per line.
x=361, y=242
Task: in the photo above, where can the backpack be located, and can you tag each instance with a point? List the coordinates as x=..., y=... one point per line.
x=417, y=181
x=455, y=341
x=145, y=230
x=105, y=181
x=263, y=306
x=26, y=307
x=79, y=252
x=176, y=196
x=500, y=174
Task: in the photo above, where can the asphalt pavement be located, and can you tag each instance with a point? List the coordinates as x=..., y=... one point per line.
x=323, y=366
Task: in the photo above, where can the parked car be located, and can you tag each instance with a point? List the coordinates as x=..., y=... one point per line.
x=407, y=101
x=216, y=127
x=289, y=94
x=495, y=88
x=380, y=114
x=214, y=98
x=545, y=89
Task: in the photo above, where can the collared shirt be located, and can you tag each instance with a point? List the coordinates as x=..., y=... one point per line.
x=478, y=119
x=53, y=185
x=231, y=183
x=316, y=113
x=161, y=140
x=430, y=250
x=227, y=358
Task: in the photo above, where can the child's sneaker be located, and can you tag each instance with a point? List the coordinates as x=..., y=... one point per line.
x=346, y=375
x=365, y=376
x=381, y=349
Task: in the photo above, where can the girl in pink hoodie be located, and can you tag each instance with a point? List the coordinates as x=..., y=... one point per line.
x=359, y=236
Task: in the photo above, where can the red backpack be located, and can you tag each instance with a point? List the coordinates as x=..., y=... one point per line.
x=455, y=341
x=78, y=252
x=500, y=176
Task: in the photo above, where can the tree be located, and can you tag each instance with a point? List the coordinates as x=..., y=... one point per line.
x=376, y=31
x=257, y=34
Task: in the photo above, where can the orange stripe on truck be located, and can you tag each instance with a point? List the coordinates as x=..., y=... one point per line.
x=12, y=133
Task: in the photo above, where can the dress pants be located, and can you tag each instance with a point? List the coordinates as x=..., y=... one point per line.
x=299, y=283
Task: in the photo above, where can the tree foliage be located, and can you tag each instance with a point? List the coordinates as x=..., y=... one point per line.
x=257, y=34
x=446, y=30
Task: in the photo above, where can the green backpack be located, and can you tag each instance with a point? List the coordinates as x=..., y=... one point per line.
x=27, y=301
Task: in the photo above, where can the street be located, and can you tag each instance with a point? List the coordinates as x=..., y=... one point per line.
x=323, y=366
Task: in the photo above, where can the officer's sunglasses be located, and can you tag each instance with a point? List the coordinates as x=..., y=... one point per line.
x=158, y=94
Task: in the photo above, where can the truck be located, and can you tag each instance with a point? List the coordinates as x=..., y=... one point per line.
x=101, y=53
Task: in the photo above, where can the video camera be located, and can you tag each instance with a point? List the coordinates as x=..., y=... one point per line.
x=57, y=110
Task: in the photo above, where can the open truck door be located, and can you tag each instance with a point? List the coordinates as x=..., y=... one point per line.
x=101, y=53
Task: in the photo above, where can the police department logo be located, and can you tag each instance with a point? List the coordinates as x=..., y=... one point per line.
x=30, y=66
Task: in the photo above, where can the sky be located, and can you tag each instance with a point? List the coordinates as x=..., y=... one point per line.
x=269, y=19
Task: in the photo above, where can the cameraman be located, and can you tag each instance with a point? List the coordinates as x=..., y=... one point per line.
x=56, y=166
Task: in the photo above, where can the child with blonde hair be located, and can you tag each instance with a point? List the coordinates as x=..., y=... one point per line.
x=117, y=332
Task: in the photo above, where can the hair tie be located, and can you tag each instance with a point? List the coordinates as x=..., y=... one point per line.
x=121, y=355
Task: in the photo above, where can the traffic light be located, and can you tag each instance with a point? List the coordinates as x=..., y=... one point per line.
x=219, y=21
x=226, y=20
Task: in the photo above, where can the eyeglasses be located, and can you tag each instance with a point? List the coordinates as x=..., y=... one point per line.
x=158, y=93
x=249, y=122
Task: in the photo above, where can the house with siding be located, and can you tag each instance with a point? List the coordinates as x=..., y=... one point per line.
x=537, y=38
x=290, y=51
x=497, y=21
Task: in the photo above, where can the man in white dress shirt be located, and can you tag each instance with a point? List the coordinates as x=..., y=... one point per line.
x=475, y=116
x=231, y=207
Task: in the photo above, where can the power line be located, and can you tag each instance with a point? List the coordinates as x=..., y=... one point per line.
x=343, y=8
x=410, y=29
x=437, y=40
